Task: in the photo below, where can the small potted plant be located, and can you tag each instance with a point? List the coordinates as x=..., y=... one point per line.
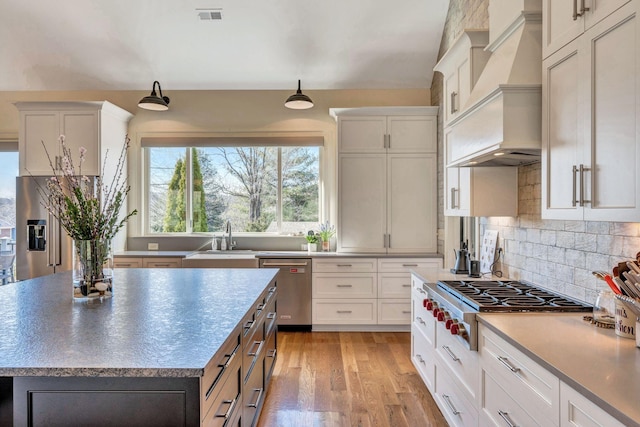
x=312, y=241
x=327, y=231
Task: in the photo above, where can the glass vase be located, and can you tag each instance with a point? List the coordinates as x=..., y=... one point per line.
x=326, y=245
x=92, y=269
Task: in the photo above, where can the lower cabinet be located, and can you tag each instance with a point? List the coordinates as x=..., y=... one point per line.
x=577, y=410
x=147, y=262
x=353, y=292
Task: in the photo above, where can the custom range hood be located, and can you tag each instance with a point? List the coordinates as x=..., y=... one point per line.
x=500, y=125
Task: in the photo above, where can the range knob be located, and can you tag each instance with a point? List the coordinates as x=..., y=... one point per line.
x=458, y=329
x=442, y=315
x=425, y=302
x=435, y=312
x=448, y=323
x=430, y=305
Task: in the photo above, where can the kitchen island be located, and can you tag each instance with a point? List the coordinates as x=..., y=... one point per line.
x=151, y=355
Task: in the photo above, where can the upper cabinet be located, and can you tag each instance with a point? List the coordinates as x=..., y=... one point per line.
x=387, y=189
x=461, y=67
x=565, y=20
x=96, y=126
x=591, y=148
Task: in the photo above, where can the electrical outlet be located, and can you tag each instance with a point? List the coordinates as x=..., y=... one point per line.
x=152, y=246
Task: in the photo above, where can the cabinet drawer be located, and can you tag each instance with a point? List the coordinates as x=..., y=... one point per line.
x=228, y=401
x=270, y=355
x=340, y=311
x=422, y=355
x=219, y=368
x=461, y=363
x=577, y=410
x=253, y=394
x=125, y=262
x=336, y=285
x=404, y=265
x=345, y=265
x=455, y=407
x=162, y=262
x=394, y=312
x=531, y=385
x=394, y=285
x=424, y=321
x=498, y=407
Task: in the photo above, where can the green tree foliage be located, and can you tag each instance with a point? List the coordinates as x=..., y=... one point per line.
x=299, y=185
x=199, y=205
x=175, y=213
x=215, y=203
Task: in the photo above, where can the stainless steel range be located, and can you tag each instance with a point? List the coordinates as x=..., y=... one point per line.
x=456, y=303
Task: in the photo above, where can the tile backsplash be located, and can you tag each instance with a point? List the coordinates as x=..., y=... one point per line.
x=554, y=254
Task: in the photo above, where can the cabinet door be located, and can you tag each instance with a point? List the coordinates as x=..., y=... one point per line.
x=127, y=262
x=611, y=149
x=562, y=133
x=362, y=201
x=80, y=129
x=451, y=93
x=560, y=26
x=412, y=203
x=600, y=9
x=364, y=134
x=38, y=128
x=412, y=134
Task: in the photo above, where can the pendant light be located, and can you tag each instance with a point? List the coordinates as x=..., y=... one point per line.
x=298, y=101
x=153, y=101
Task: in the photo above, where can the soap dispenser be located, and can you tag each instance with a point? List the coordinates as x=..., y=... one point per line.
x=214, y=244
x=223, y=244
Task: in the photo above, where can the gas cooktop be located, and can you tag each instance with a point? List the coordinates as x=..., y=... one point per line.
x=498, y=295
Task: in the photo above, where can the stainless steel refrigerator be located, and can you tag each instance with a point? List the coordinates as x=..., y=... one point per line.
x=42, y=245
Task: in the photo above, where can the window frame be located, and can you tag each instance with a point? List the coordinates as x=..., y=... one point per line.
x=311, y=139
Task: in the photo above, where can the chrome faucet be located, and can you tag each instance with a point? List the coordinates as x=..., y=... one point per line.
x=231, y=242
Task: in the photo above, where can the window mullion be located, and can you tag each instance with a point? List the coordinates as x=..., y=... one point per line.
x=279, y=191
x=188, y=191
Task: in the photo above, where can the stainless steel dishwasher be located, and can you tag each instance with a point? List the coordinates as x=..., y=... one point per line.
x=294, y=292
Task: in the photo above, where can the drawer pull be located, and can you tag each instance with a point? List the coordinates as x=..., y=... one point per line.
x=420, y=319
x=272, y=353
x=224, y=367
x=344, y=286
x=260, y=343
x=255, y=404
x=248, y=325
x=271, y=315
x=506, y=363
x=409, y=265
x=123, y=264
x=420, y=359
x=450, y=353
x=345, y=265
x=422, y=291
x=506, y=418
x=284, y=264
x=406, y=286
x=156, y=264
x=260, y=307
x=344, y=311
x=232, y=404
x=452, y=408
x=406, y=311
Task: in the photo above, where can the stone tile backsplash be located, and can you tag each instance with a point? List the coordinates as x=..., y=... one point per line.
x=559, y=255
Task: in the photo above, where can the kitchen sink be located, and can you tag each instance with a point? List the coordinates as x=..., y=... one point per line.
x=237, y=254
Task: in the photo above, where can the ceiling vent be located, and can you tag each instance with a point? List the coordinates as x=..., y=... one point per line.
x=209, y=14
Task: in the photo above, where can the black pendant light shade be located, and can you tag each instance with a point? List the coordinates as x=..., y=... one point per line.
x=298, y=101
x=153, y=101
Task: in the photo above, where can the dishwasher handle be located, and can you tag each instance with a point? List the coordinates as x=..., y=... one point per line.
x=284, y=264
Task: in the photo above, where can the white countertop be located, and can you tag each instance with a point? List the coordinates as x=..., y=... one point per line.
x=596, y=362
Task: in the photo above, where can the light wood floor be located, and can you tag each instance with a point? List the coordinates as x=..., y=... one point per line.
x=347, y=379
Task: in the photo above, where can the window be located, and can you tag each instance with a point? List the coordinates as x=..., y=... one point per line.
x=260, y=188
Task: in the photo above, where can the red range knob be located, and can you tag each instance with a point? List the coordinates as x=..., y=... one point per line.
x=441, y=316
x=425, y=302
x=435, y=312
x=454, y=329
x=429, y=305
x=448, y=323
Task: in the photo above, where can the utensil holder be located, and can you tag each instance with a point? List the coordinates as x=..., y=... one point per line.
x=626, y=322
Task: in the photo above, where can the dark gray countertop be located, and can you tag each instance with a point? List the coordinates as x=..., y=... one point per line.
x=281, y=254
x=159, y=323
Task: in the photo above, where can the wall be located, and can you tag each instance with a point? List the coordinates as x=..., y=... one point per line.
x=221, y=112
x=558, y=255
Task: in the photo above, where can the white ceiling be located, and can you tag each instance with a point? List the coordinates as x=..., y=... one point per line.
x=127, y=44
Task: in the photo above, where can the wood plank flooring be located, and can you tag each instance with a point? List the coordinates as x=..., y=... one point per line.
x=347, y=379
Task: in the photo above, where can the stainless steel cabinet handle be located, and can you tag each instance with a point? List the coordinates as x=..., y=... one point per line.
x=575, y=10
x=271, y=315
x=421, y=320
x=272, y=352
x=344, y=286
x=421, y=290
x=227, y=414
x=452, y=98
x=583, y=9
x=582, y=199
x=452, y=408
x=409, y=265
x=344, y=311
x=574, y=200
x=255, y=404
x=420, y=359
x=406, y=286
x=389, y=240
x=506, y=418
x=123, y=264
x=260, y=343
x=345, y=265
x=508, y=364
x=453, y=198
x=387, y=140
x=406, y=311
x=450, y=353
x=160, y=265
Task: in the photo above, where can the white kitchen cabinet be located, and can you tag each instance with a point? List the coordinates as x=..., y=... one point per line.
x=127, y=262
x=165, y=262
x=96, y=126
x=481, y=191
x=423, y=336
x=591, y=139
x=387, y=174
x=578, y=411
x=565, y=20
x=461, y=66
